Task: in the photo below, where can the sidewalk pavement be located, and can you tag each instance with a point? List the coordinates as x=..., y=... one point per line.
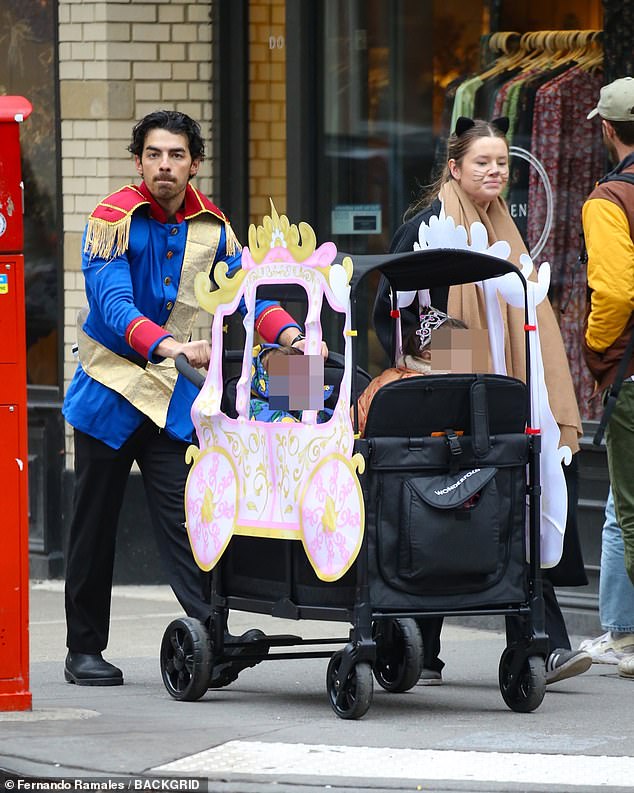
x=137, y=729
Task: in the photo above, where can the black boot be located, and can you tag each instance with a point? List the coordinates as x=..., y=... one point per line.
x=254, y=642
x=88, y=669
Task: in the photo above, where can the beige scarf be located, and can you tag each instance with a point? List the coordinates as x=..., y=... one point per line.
x=466, y=302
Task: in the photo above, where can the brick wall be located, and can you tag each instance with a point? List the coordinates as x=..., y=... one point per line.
x=119, y=61
x=267, y=107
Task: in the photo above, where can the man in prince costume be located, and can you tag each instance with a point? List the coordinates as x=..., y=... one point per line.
x=142, y=249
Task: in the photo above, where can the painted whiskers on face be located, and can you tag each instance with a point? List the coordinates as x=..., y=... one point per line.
x=484, y=169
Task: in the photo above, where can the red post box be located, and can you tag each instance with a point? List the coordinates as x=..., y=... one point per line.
x=14, y=556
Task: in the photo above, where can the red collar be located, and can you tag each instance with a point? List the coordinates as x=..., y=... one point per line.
x=194, y=204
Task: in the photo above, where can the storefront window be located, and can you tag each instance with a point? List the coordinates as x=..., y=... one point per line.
x=27, y=68
x=385, y=69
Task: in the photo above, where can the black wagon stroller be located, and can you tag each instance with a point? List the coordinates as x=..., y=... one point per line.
x=435, y=511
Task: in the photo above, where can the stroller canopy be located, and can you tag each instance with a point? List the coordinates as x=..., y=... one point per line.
x=426, y=269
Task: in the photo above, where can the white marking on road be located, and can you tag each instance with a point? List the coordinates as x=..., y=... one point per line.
x=284, y=760
x=48, y=714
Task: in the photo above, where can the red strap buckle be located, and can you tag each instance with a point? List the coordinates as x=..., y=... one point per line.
x=533, y=431
x=395, y=313
x=530, y=327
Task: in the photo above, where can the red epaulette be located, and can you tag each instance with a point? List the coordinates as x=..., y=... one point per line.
x=108, y=229
x=196, y=203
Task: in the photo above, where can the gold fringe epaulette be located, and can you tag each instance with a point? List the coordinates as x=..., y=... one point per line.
x=232, y=244
x=108, y=228
x=107, y=240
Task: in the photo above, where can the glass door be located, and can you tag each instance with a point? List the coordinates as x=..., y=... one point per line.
x=385, y=65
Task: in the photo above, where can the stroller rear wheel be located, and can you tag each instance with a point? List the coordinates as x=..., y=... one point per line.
x=350, y=694
x=186, y=659
x=399, y=654
x=524, y=690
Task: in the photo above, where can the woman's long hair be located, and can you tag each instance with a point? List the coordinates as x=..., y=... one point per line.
x=457, y=147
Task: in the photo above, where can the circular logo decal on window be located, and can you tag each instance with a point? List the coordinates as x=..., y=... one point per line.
x=523, y=154
x=3, y=224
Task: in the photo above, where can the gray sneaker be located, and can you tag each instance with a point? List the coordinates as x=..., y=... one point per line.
x=562, y=664
x=430, y=677
x=626, y=667
x=609, y=648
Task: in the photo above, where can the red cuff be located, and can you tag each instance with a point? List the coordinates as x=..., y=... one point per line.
x=272, y=322
x=141, y=334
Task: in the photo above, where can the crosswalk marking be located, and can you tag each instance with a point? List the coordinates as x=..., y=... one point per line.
x=285, y=759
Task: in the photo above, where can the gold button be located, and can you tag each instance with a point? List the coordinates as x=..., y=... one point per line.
x=167, y=280
x=169, y=254
x=174, y=230
x=170, y=305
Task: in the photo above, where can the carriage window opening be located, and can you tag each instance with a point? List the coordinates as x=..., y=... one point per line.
x=284, y=381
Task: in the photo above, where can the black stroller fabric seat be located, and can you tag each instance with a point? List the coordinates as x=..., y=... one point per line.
x=419, y=406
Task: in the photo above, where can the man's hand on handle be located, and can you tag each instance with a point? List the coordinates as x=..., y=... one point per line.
x=197, y=352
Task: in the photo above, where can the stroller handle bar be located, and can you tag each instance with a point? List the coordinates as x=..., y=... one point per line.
x=188, y=371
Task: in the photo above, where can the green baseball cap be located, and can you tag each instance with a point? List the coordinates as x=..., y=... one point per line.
x=616, y=101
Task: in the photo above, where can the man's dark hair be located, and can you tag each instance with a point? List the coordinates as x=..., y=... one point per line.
x=172, y=121
x=624, y=131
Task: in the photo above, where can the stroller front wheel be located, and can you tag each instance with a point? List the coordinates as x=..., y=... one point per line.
x=523, y=688
x=350, y=694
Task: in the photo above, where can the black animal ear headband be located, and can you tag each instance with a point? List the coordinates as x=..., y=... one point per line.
x=464, y=123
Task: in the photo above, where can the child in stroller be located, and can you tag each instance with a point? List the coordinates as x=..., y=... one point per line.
x=416, y=358
x=275, y=393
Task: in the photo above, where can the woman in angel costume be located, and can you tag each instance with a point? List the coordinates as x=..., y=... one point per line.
x=464, y=208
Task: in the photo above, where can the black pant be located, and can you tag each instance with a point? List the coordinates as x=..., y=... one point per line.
x=554, y=623
x=101, y=477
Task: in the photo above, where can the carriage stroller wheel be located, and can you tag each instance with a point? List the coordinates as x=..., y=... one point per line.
x=399, y=654
x=349, y=698
x=526, y=692
x=186, y=659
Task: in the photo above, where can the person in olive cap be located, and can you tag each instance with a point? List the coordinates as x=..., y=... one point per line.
x=608, y=225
